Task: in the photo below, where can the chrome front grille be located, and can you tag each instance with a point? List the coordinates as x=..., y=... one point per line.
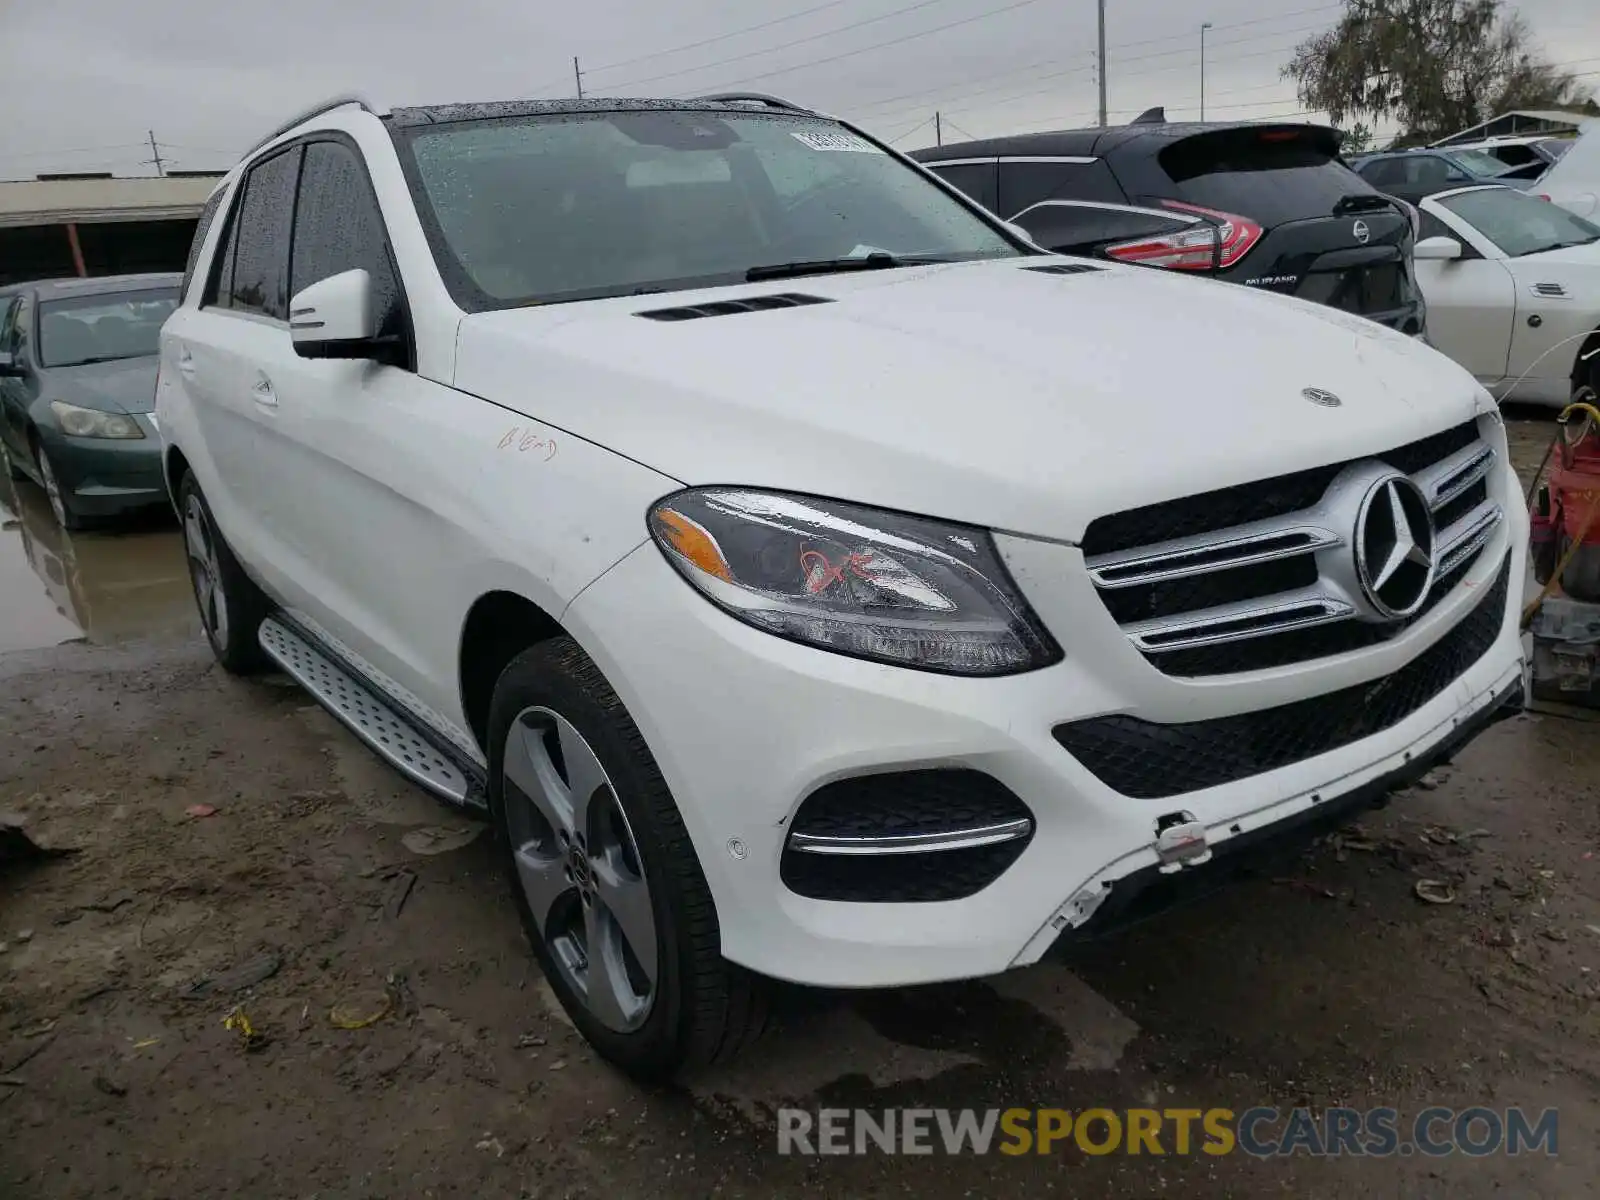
x=1225, y=595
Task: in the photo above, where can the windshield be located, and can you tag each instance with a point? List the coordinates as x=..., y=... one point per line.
x=1518, y=223
x=84, y=329
x=578, y=206
x=1479, y=162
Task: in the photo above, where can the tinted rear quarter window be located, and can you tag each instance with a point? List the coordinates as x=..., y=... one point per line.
x=207, y=215
x=1023, y=184
x=261, y=264
x=1269, y=175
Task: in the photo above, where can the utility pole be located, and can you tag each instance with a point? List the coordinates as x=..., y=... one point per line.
x=1102, y=57
x=155, y=154
x=577, y=76
x=938, y=129
x=1204, y=26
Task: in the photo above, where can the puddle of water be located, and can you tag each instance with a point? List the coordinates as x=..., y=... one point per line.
x=120, y=582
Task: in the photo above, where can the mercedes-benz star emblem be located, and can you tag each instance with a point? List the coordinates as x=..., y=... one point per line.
x=1361, y=232
x=1318, y=396
x=1394, y=546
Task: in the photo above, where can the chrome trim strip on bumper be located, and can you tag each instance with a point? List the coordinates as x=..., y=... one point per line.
x=917, y=843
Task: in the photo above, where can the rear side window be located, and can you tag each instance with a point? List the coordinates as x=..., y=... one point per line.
x=1023, y=184
x=1080, y=228
x=1271, y=175
x=337, y=228
x=978, y=180
x=260, y=281
x=207, y=215
x=14, y=338
x=1384, y=171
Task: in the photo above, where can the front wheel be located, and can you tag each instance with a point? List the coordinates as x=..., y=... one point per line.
x=604, y=873
x=231, y=606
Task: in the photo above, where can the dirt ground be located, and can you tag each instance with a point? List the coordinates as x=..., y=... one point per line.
x=324, y=892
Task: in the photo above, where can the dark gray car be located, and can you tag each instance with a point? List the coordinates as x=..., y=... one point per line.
x=77, y=388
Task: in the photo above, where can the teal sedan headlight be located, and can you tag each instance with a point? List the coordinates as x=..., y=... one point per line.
x=91, y=423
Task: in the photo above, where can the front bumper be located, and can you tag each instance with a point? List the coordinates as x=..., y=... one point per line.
x=745, y=726
x=106, y=476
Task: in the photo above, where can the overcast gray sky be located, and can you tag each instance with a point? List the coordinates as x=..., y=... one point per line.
x=84, y=80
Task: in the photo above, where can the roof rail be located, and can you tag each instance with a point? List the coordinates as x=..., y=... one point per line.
x=315, y=110
x=750, y=98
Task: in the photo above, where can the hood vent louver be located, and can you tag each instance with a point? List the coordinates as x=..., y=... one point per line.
x=727, y=308
x=1549, y=290
x=1063, y=269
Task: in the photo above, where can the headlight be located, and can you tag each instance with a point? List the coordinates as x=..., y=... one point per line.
x=91, y=423
x=854, y=580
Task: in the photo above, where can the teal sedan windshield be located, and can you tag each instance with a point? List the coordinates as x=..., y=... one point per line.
x=89, y=329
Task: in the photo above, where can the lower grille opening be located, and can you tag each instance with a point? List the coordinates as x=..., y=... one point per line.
x=1147, y=761
x=903, y=804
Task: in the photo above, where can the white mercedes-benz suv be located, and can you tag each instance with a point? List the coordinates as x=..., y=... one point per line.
x=808, y=576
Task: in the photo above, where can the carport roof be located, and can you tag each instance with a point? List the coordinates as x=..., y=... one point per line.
x=87, y=200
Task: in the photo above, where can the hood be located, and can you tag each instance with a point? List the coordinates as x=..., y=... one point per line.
x=980, y=392
x=126, y=385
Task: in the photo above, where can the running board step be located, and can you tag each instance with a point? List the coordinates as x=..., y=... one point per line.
x=374, y=720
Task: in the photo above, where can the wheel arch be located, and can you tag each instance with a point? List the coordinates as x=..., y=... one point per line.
x=500, y=625
x=1586, y=362
x=174, y=467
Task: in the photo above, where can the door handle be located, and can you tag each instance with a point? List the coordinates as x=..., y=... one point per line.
x=263, y=394
x=185, y=361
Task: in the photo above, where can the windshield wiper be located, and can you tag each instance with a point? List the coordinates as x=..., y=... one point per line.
x=104, y=358
x=878, y=260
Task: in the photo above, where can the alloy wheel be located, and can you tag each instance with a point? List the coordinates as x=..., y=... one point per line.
x=200, y=543
x=579, y=868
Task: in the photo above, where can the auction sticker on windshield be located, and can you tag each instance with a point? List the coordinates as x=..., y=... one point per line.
x=819, y=139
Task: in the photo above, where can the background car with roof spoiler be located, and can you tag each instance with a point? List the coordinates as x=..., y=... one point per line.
x=77, y=391
x=1269, y=206
x=651, y=476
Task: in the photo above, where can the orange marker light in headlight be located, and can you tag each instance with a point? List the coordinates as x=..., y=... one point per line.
x=691, y=540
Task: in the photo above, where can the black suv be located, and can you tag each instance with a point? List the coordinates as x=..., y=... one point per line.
x=1268, y=206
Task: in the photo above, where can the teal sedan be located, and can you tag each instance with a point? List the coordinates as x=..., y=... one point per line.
x=78, y=388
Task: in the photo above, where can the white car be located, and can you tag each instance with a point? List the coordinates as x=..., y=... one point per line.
x=1512, y=285
x=1573, y=181
x=809, y=577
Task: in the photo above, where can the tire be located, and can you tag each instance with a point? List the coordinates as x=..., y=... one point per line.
x=231, y=606
x=64, y=516
x=700, y=1008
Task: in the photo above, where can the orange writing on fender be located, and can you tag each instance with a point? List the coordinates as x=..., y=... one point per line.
x=528, y=440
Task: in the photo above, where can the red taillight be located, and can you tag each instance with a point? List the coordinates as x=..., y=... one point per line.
x=1197, y=248
x=1545, y=198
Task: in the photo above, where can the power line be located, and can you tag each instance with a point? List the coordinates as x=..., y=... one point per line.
x=721, y=37
x=815, y=37
x=1010, y=74
x=982, y=16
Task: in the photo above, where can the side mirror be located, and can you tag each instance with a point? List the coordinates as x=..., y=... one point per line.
x=334, y=318
x=1018, y=231
x=1438, y=249
x=8, y=366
